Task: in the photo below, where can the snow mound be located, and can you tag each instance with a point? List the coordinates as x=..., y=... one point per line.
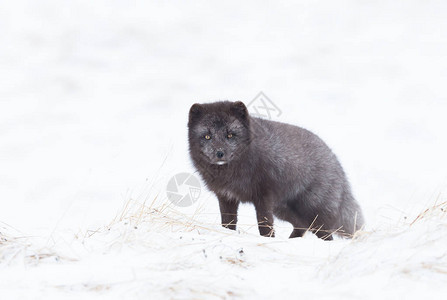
x=160, y=252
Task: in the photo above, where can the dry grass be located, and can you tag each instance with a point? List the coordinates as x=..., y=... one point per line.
x=160, y=217
x=164, y=216
x=21, y=249
x=438, y=210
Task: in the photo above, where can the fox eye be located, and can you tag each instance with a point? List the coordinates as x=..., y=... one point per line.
x=230, y=135
x=207, y=137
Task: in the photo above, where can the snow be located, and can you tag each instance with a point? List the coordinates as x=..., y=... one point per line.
x=94, y=99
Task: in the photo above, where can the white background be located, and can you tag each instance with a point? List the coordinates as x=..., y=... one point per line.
x=94, y=97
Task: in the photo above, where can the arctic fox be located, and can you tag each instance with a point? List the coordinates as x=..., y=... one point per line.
x=284, y=170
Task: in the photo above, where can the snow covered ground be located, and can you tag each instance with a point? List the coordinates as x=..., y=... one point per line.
x=94, y=97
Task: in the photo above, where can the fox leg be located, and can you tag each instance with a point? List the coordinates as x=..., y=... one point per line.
x=228, y=212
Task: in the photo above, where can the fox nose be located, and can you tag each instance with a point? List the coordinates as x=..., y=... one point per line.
x=219, y=154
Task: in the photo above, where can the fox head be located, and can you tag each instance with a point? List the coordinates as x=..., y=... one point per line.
x=218, y=132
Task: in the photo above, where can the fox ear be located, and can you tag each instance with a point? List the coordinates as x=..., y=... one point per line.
x=195, y=112
x=239, y=109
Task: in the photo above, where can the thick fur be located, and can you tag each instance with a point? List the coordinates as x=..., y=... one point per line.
x=284, y=170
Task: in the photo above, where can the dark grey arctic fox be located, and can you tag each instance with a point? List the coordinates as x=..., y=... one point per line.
x=284, y=170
